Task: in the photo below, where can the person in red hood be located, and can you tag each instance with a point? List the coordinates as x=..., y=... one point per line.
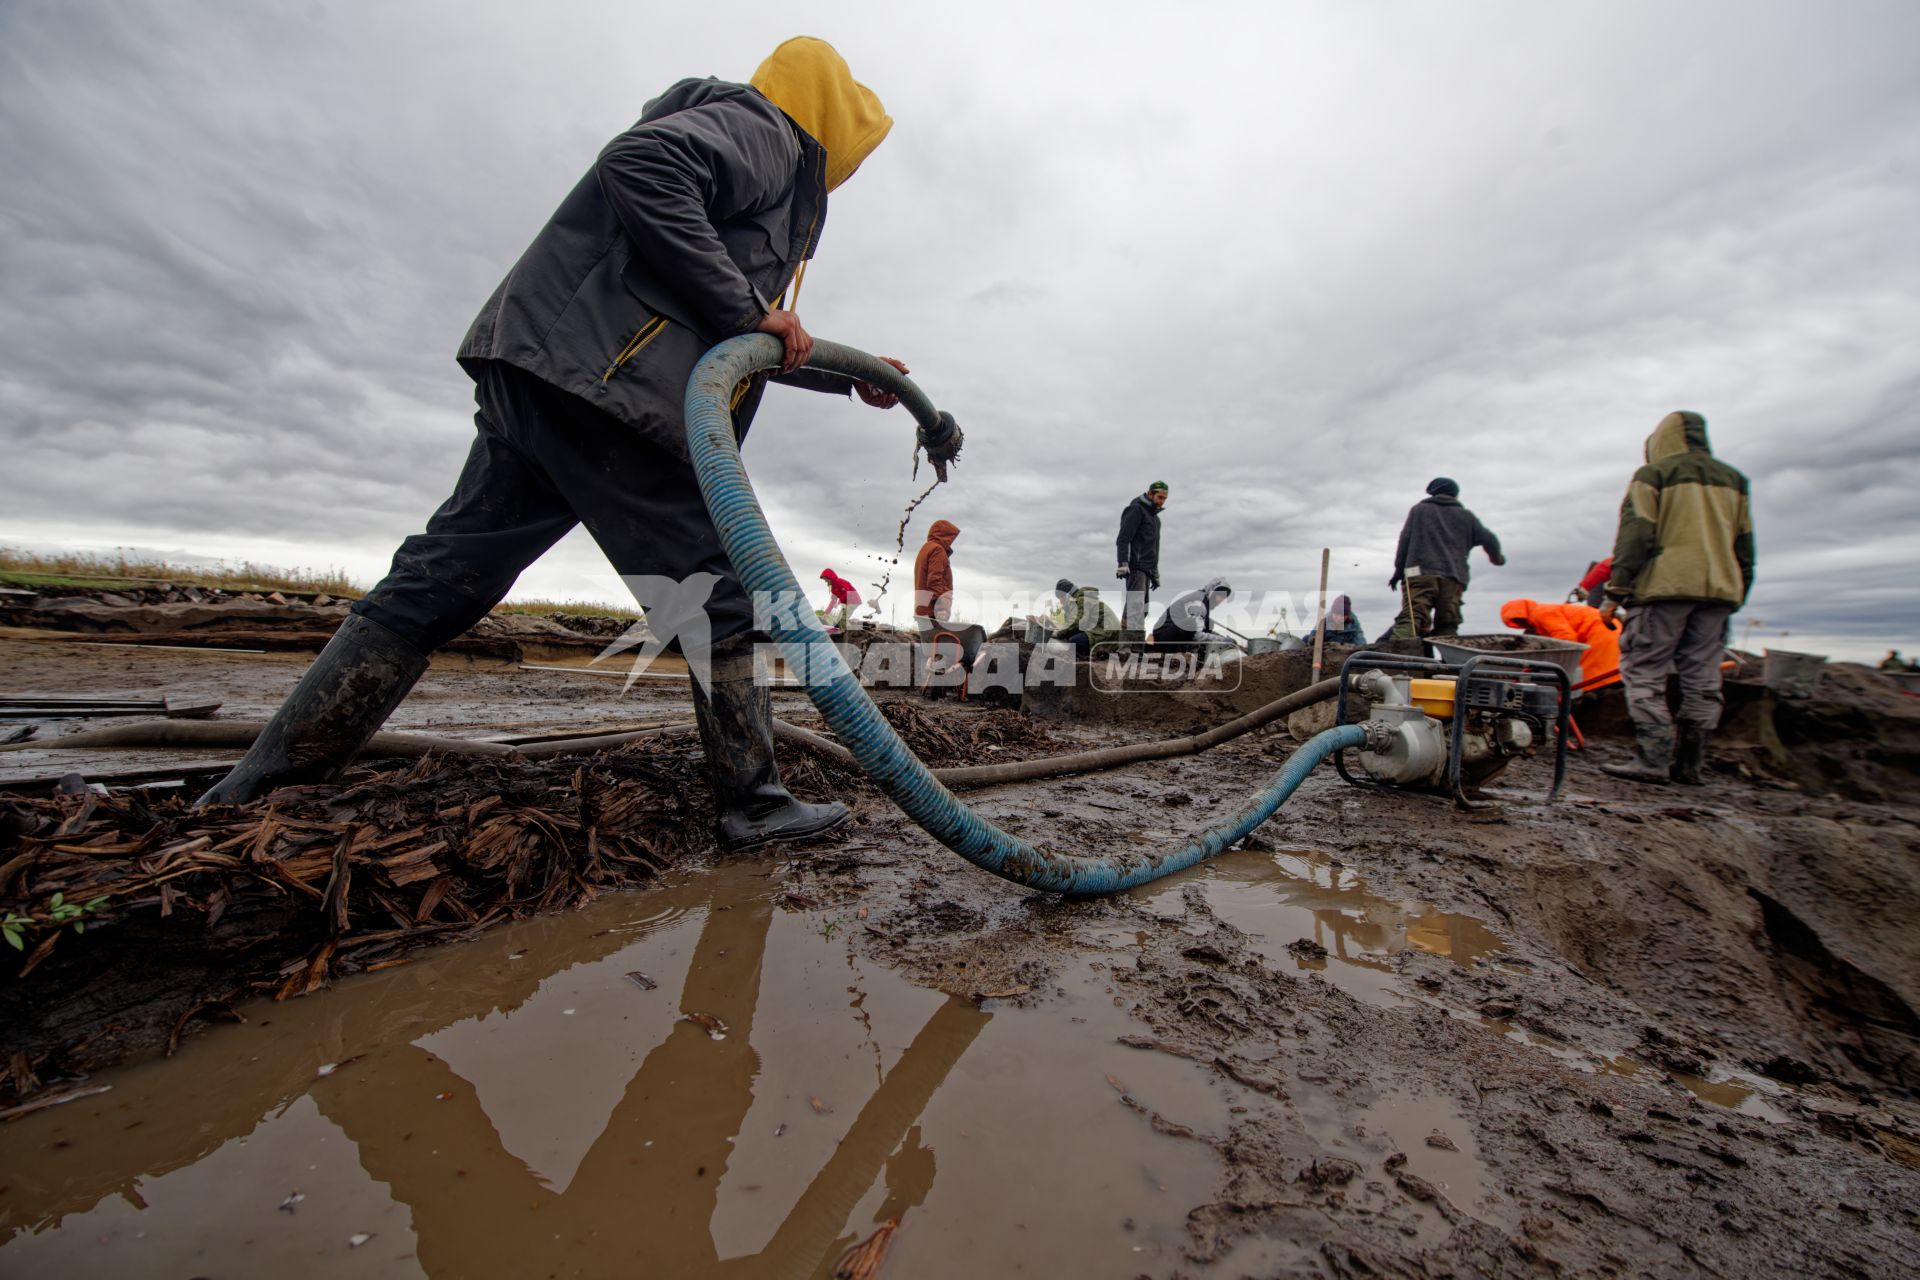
x=1593, y=587
x=933, y=573
x=844, y=599
x=1579, y=622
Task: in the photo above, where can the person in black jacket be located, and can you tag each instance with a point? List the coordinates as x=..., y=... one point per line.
x=1139, y=557
x=690, y=228
x=1435, y=541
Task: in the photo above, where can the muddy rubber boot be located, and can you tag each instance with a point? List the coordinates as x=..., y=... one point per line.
x=346, y=695
x=1691, y=756
x=1652, y=755
x=736, y=730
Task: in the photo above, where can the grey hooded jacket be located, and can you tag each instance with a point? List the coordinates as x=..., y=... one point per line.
x=1190, y=616
x=684, y=231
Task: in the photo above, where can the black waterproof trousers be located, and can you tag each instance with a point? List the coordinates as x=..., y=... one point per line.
x=542, y=462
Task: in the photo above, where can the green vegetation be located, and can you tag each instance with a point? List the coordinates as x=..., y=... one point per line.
x=571, y=608
x=25, y=569
x=59, y=912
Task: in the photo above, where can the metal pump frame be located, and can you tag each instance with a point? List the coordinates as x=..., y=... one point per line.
x=1511, y=670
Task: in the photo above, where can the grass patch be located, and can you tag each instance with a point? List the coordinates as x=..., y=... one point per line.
x=29, y=570
x=571, y=608
x=99, y=572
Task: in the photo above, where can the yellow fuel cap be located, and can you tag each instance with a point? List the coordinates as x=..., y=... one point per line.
x=1435, y=697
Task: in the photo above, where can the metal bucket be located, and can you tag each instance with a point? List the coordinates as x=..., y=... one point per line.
x=1258, y=645
x=1564, y=654
x=1038, y=633
x=1793, y=675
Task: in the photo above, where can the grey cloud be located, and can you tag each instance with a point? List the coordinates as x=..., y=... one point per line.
x=1294, y=261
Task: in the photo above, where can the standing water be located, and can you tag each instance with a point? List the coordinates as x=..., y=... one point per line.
x=694, y=1081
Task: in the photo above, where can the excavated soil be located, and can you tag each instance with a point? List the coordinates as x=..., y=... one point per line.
x=1666, y=1032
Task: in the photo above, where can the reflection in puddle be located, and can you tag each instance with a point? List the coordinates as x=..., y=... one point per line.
x=520, y=1105
x=1283, y=898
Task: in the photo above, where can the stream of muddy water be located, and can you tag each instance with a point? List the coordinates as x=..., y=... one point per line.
x=545, y=1101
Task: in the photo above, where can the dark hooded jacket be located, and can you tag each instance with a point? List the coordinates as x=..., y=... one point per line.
x=682, y=234
x=1139, y=544
x=1342, y=626
x=1435, y=540
x=1686, y=524
x=933, y=572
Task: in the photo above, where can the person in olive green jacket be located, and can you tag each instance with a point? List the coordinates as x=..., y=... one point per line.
x=1682, y=564
x=1087, y=619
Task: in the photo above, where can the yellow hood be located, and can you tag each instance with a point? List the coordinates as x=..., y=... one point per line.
x=810, y=81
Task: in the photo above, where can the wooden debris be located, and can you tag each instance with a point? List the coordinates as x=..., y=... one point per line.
x=863, y=1260
x=314, y=882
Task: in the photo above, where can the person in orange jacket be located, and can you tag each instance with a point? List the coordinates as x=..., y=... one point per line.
x=1600, y=664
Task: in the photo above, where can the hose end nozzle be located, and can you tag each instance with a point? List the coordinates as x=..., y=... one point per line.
x=942, y=442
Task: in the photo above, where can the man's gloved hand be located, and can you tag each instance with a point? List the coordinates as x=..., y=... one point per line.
x=1609, y=610
x=880, y=397
x=1121, y=572
x=1154, y=579
x=1393, y=582
x=793, y=335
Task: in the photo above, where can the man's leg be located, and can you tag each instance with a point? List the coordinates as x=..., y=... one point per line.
x=1420, y=593
x=1702, y=646
x=642, y=505
x=1446, y=606
x=502, y=514
x=1133, y=622
x=1647, y=648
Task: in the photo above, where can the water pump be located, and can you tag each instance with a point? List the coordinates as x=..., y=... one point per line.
x=1437, y=726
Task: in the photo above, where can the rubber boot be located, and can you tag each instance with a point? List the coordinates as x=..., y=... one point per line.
x=736, y=730
x=1691, y=755
x=1652, y=755
x=346, y=695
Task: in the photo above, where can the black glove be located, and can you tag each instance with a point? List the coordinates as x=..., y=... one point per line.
x=1393, y=582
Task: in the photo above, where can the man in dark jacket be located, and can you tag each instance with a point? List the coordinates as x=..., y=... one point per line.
x=1139, y=556
x=1434, y=544
x=1682, y=563
x=690, y=228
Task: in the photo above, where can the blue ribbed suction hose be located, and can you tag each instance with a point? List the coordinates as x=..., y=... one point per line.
x=841, y=700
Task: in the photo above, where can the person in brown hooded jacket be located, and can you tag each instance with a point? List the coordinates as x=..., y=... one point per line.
x=933, y=574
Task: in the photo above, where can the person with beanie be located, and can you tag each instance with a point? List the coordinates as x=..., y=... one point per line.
x=692, y=226
x=1431, y=559
x=1139, y=556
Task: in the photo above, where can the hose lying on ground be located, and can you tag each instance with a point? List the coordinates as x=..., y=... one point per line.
x=837, y=693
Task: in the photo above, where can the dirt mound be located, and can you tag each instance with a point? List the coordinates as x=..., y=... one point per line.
x=252, y=621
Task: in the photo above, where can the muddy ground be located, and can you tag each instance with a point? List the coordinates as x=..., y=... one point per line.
x=1642, y=1032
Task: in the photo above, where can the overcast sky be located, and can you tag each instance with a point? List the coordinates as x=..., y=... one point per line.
x=1294, y=259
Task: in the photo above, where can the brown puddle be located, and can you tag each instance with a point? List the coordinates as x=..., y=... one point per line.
x=1281, y=898
x=525, y=1105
